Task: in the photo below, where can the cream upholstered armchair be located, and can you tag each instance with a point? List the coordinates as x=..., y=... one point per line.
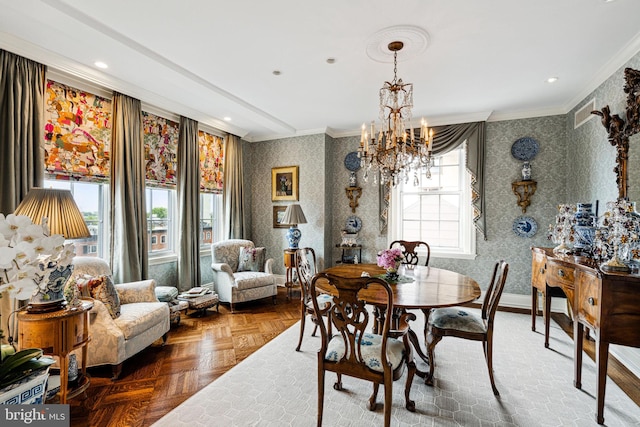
x=142, y=320
x=241, y=273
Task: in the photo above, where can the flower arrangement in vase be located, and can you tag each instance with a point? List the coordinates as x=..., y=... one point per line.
x=617, y=240
x=562, y=233
x=33, y=264
x=390, y=260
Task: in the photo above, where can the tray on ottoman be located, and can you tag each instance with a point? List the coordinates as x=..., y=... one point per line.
x=201, y=303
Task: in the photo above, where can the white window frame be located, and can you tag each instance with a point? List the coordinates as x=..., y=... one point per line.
x=216, y=221
x=169, y=254
x=467, y=247
x=104, y=231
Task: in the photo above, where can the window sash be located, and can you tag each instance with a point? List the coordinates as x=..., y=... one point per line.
x=429, y=226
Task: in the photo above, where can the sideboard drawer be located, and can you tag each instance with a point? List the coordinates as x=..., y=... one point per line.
x=588, y=298
x=559, y=274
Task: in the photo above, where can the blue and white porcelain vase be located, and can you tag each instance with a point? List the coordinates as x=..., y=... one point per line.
x=585, y=228
x=293, y=237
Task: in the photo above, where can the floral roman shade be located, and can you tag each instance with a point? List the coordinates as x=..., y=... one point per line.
x=211, y=162
x=160, y=138
x=77, y=133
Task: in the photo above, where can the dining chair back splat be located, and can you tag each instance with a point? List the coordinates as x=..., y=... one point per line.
x=306, y=267
x=457, y=322
x=410, y=252
x=356, y=352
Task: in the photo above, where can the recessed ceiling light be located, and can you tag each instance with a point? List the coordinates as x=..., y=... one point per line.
x=226, y=119
x=276, y=72
x=552, y=79
x=100, y=64
x=331, y=60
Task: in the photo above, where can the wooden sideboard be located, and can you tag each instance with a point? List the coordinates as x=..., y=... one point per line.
x=607, y=303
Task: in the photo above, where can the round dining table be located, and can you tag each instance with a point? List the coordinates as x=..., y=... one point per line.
x=420, y=287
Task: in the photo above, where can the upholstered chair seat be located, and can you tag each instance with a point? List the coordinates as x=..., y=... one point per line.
x=458, y=319
x=371, y=347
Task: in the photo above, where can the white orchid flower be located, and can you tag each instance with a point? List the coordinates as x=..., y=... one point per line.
x=7, y=257
x=29, y=233
x=24, y=289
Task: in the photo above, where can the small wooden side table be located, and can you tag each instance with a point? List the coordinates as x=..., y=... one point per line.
x=290, y=264
x=58, y=333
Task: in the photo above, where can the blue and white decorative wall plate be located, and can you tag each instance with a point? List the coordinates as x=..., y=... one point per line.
x=525, y=226
x=525, y=149
x=352, y=161
x=353, y=225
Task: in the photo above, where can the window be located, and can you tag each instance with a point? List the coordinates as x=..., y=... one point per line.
x=160, y=215
x=93, y=201
x=437, y=210
x=210, y=219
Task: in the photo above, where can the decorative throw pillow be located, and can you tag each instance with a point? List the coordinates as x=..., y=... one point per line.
x=80, y=281
x=102, y=289
x=251, y=259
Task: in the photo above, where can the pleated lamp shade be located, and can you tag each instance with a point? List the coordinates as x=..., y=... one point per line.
x=293, y=216
x=58, y=207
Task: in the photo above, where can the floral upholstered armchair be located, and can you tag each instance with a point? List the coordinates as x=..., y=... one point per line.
x=123, y=324
x=241, y=273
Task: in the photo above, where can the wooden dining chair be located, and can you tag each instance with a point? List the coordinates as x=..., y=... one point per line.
x=356, y=352
x=410, y=252
x=306, y=267
x=458, y=322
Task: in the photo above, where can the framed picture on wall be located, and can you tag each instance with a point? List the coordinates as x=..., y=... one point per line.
x=284, y=183
x=278, y=214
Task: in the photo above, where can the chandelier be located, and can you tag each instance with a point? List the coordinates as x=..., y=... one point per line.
x=397, y=150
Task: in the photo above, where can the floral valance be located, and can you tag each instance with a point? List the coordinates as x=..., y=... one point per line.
x=160, y=150
x=211, y=162
x=77, y=133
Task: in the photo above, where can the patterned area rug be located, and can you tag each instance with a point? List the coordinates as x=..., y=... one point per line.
x=277, y=386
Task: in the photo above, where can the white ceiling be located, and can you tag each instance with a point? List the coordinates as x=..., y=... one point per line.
x=206, y=60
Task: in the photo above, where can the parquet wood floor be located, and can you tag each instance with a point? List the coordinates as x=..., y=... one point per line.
x=199, y=350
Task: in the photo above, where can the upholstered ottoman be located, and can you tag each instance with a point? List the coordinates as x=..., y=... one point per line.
x=169, y=294
x=201, y=303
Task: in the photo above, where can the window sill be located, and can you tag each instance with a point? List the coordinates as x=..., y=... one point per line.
x=162, y=258
x=454, y=255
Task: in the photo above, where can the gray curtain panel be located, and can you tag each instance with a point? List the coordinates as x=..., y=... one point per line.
x=188, y=177
x=22, y=87
x=447, y=138
x=233, y=196
x=129, y=257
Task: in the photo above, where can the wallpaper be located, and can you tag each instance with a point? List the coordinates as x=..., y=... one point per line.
x=308, y=153
x=590, y=173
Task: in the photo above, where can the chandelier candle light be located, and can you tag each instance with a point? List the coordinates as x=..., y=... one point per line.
x=396, y=151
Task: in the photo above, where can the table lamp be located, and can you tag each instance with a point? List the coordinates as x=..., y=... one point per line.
x=293, y=216
x=57, y=209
